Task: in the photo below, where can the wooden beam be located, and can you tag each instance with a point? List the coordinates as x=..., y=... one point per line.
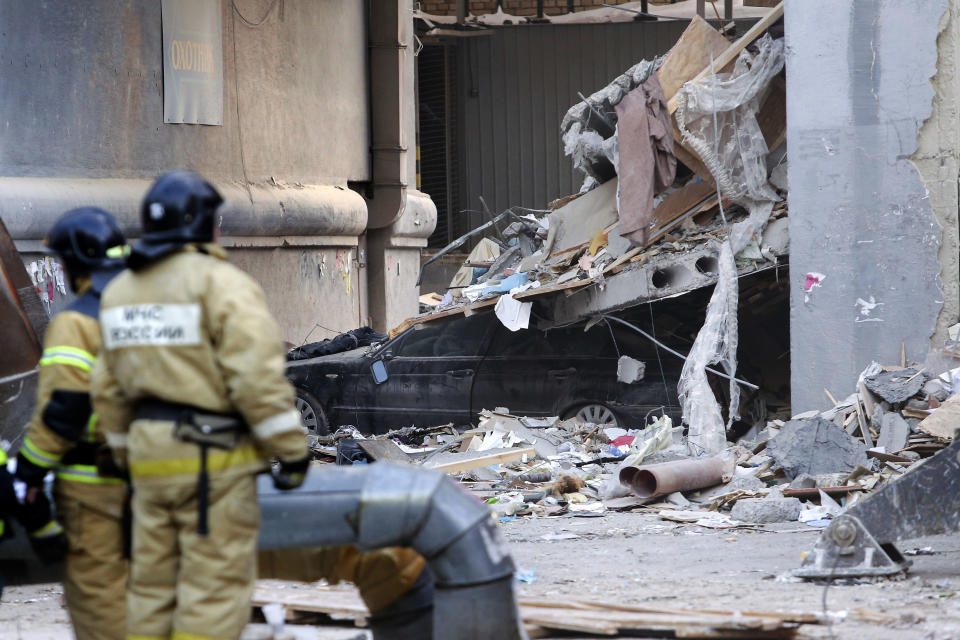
x=466, y=462
x=734, y=50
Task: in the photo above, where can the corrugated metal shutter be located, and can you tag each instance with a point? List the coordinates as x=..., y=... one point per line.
x=515, y=85
x=436, y=70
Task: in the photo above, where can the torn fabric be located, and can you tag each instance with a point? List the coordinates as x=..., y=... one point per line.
x=646, y=164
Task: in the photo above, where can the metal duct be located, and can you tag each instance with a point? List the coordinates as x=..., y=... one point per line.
x=386, y=505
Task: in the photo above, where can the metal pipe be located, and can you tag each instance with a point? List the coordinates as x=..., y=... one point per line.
x=386, y=505
x=652, y=480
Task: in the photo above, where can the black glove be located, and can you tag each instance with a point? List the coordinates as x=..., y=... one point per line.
x=8, y=500
x=31, y=474
x=290, y=474
x=107, y=467
x=47, y=538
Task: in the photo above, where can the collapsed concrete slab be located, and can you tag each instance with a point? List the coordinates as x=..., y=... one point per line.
x=814, y=447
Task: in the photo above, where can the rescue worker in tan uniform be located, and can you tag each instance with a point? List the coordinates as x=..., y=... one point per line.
x=63, y=437
x=191, y=394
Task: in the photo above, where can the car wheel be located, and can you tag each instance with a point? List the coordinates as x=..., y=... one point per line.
x=312, y=416
x=597, y=414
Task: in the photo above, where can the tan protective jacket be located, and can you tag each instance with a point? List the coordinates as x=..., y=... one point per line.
x=71, y=345
x=192, y=329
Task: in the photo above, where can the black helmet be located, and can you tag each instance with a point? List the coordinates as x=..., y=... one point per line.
x=88, y=241
x=179, y=208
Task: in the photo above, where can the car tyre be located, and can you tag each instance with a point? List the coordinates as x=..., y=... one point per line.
x=595, y=413
x=312, y=415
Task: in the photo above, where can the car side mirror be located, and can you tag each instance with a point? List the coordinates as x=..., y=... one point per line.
x=387, y=355
x=379, y=371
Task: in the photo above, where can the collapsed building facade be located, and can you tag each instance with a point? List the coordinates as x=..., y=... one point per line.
x=873, y=259
x=614, y=245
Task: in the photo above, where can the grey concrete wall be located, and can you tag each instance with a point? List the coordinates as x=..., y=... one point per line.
x=858, y=92
x=81, y=107
x=83, y=82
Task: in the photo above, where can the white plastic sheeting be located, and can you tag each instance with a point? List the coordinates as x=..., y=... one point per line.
x=717, y=119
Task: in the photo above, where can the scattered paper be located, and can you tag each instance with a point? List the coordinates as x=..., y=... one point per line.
x=514, y=315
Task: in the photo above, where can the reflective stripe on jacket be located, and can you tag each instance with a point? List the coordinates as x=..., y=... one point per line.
x=71, y=344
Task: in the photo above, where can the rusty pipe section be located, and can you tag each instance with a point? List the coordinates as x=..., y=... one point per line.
x=387, y=505
x=652, y=480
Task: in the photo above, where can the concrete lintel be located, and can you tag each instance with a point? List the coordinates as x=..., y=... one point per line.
x=407, y=242
x=30, y=205
x=239, y=242
x=663, y=276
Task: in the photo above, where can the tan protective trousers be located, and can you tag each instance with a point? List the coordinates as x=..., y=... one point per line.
x=382, y=575
x=95, y=577
x=184, y=586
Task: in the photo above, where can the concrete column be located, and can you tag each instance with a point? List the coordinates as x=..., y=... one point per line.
x=394, y=262
x=864, y=239
x=401, y=218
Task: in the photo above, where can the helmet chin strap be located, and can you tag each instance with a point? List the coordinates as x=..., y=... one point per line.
x=80, y=284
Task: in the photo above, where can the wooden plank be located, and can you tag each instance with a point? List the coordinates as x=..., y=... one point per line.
x=585, y=617
x=460, y=462
x=553, y=288
x=654, y=237
x=338, y=601
x=799, y=618
x=772, y=117
x=869, y=400
x=678, y=202
x=731, y=53
x=384, y=450
x=944, y=421
x=690, y=55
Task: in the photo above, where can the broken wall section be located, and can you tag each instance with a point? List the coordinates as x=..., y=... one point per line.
x=861, y=222
x=936, y=159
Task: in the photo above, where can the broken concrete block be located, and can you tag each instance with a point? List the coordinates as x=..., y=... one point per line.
x=630, y=370
x=893, y=433
x=803, y=481
x=766, y=510
x=895, y=386
x=815, y=446
x=745, y=483
x=831, y=479
x=937, y=389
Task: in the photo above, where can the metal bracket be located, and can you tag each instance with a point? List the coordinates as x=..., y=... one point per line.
x=847, y=549
x=924, y=501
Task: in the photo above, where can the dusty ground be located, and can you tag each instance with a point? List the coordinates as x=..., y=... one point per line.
x=636, y=558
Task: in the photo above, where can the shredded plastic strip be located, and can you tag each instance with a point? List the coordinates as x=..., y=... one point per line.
x=720, y=113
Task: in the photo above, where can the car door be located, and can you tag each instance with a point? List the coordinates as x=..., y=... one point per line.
x=430, y=374
x=582, y=368
x=513, y=374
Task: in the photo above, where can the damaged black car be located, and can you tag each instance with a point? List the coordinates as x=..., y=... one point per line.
x=447, y=371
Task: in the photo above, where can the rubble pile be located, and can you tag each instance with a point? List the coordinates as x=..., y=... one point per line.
x=806, y=469
x=671, y=195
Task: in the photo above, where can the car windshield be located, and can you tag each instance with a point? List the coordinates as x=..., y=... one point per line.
x=462, y=337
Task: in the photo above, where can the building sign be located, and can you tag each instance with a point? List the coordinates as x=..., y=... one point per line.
x=192, y=62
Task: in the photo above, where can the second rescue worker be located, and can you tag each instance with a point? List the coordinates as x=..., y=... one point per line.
x=191, y=395
x=63, y=437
